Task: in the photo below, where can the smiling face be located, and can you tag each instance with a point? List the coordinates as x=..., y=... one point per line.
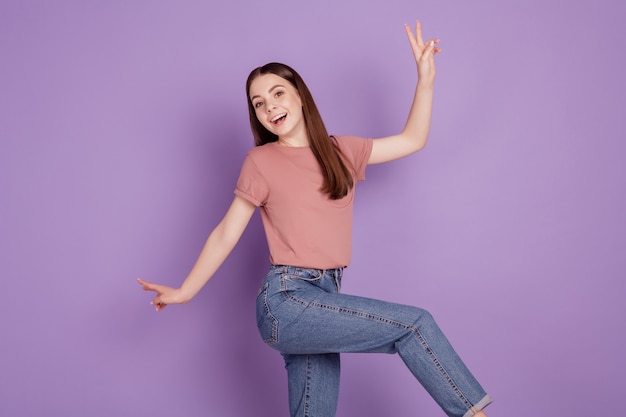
x=278, y=107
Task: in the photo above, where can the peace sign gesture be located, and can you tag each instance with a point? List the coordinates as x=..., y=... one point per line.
x=424, y=53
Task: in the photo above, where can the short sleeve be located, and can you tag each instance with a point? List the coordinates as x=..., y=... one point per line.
x=251, y=185
x=359, y=151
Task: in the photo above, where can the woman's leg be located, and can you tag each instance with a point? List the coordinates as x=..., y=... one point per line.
x=313, y=382
x=300, y=312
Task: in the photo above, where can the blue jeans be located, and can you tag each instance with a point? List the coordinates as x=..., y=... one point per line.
x=301, y=314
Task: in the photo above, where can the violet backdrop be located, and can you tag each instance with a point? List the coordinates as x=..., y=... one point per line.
x=123, y=125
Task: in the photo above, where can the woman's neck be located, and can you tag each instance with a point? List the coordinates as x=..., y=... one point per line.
x=294, y=141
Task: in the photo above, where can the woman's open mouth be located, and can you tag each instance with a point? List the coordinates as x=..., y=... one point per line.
x=279, y=118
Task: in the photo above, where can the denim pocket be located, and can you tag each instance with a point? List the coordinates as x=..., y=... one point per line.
x=311, y=276
x=265, y=321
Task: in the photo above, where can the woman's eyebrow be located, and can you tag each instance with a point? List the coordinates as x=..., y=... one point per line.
x=269, y=91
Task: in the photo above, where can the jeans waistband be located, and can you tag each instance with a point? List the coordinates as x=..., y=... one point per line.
x=301, y=271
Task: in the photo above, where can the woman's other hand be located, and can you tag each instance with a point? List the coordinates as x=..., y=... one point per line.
x=164, y=295
x=424, y=53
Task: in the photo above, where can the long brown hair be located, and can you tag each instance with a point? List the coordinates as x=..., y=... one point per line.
x=338, y=179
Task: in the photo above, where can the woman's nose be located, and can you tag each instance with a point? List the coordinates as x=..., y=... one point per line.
x=270, y=104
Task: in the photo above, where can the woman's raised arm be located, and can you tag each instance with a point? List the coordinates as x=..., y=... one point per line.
x=415, y=133
x=217, y=247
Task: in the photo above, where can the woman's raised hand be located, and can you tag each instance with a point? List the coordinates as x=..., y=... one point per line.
x=424, y=53
x=165, y=295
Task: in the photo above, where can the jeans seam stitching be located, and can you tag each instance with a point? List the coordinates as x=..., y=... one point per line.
x=274, y=337
x=306, y=389
x=440, y=367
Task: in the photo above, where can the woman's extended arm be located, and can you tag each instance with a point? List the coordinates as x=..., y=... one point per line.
x=217, y=247
x=415, y=133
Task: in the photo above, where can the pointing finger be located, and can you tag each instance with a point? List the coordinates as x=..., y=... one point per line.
x=147, y=286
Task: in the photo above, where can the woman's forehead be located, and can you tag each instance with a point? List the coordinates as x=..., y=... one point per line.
x=263, y=83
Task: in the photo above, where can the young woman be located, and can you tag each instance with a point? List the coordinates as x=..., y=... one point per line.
x=303, y=181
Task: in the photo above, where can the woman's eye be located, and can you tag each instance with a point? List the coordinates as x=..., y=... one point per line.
x=258, y=104
x=278, y=94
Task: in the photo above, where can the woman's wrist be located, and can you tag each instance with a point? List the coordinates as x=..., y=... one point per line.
x=184, y=294
x=425, y=84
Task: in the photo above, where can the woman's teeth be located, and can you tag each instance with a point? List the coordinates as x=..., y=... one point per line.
x=278, y=118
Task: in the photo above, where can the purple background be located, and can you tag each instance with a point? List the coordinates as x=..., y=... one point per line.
x=123, y=126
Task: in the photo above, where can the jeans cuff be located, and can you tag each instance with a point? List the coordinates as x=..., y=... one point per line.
x=484, y=402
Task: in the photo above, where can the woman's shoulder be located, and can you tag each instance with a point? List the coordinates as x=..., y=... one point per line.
x=349, y=140
x=352, y=144
x=263, y=151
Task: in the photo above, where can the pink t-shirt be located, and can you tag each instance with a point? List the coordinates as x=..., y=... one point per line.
x=302, y=225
